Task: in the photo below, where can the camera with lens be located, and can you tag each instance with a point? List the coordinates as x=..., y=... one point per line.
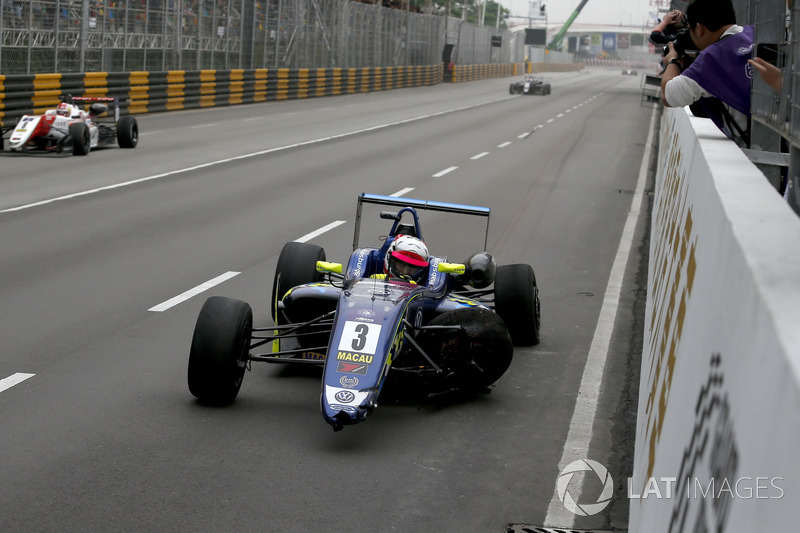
x=683, y=44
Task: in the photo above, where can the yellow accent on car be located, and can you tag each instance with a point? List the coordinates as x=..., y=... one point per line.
x=452, y=268
x=325, y=266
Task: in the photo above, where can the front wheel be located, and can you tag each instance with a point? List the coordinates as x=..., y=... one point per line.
x=220, y=348
x=81, y=138
x=127, y=132
x=297, y=265
x=516, y=300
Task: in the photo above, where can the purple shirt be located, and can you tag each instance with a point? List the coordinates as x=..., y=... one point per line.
x=722, y=69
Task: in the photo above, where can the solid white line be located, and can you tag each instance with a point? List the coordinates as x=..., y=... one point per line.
x=14, y=379
x=401, y=192
x=246, y=156
x=482, y=154
x=320, y=231
x=580, y=428
x=172, y=302
x=504, y=144
x=203, y=126
x=443, y=172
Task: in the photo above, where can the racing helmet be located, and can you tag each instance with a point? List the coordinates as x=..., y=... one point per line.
x=63, y=109
x=406, y=258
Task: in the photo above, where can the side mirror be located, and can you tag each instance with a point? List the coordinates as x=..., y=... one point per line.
x=325, y=266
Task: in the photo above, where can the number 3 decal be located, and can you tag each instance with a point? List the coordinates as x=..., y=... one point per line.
x=359, y=337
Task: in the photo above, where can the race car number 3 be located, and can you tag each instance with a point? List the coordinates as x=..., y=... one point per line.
x=359, y=337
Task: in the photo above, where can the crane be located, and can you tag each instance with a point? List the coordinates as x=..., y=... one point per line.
x=555, y=44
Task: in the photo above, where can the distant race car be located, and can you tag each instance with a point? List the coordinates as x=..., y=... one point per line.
x=70, y=129
x=424, y=326
x=530, y=85
x=629, y=72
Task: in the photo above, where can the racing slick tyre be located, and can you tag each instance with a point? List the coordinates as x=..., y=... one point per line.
x=547, y=89
x=81, y=139
x=516, y=300
x=127, y=132
x=220, y=347
x=297, y=265
x=474, y=355
x=511, y=89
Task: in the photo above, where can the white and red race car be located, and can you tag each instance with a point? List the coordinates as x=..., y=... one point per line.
x=71, y=129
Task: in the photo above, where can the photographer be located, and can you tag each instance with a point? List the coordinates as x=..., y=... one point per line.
x=718, y=80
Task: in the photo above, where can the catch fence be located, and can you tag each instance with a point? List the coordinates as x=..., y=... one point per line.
x=48, y=36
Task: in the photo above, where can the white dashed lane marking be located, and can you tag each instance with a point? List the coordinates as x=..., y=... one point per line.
x=14, y=379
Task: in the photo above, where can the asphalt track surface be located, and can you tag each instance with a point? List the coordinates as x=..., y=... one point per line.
x=98, y=429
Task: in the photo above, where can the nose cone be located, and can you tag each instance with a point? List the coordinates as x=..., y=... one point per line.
x=344, y=407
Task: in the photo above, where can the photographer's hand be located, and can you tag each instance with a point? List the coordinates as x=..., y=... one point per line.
x=673, y=66
x=671, y=54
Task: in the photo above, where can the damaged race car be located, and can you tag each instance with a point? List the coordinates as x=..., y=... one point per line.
x=389, y=314
x=530, y=85
x=70, y=129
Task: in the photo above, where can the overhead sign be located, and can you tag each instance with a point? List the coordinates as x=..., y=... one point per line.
x=534, y=36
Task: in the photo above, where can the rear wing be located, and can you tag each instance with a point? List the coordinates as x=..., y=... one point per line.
x=421, y=205
x=92, y=99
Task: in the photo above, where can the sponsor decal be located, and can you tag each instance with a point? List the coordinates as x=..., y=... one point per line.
x=433, y=272
x=313, y=356
x=360, y=263
x=345, y=396
x=354, y=357
x=345, y=408
x=352, y=368
x=348, y=382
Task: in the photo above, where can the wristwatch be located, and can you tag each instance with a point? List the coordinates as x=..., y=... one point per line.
x=676, y=61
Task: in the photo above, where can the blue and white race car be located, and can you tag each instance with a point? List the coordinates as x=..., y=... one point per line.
x=427, y=325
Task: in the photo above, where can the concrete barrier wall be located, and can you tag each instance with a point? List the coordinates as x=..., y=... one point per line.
x=718, y=422
x=149, y=92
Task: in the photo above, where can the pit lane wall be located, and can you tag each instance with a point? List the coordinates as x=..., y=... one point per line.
x=149, y=92
x=718, y=425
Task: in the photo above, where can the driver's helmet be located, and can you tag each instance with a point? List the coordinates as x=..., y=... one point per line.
x=63, y=109
x=406, y=258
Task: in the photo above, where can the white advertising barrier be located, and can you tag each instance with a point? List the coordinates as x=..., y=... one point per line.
x=718, y=428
